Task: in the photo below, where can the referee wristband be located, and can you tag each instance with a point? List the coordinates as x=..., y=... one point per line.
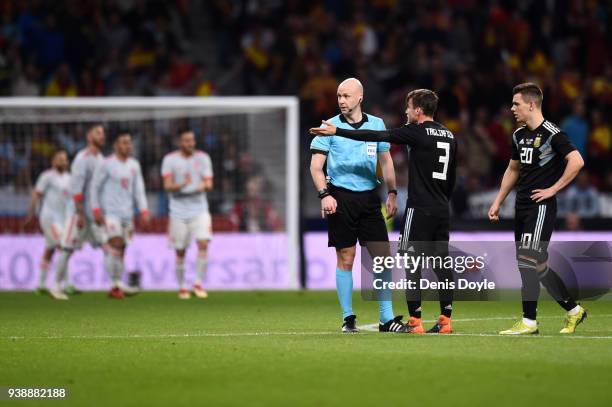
x=392, y=191
x=323, y=193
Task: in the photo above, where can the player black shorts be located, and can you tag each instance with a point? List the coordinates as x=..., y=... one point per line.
x=425, y=225
x=358, y=217
x=533, y=227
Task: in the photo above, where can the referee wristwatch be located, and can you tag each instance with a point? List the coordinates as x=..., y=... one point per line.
x=323, y=193
x=392, y=191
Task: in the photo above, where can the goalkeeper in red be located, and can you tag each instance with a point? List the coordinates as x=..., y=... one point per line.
x=118, y=184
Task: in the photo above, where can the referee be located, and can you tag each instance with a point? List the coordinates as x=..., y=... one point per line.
x=350, y=201
x=543, y=162
x=431, y=179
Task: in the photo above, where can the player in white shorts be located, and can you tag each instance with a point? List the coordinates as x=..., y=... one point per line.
x=116, y=185
x=52, y=190
x=187, y=175
x=79, y=225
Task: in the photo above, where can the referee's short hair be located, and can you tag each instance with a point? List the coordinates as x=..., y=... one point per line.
x=426, y=99
x=530, y=92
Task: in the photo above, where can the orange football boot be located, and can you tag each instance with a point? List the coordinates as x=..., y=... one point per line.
x=415, y=326
x=443, y=326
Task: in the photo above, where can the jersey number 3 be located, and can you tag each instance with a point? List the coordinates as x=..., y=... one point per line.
x=443, y=159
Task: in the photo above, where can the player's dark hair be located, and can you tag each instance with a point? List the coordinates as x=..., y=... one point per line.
x=530, y=92
x=426, y=99
x=120, y=134
x=92, y=125
x=182, y=131
x=59, y=151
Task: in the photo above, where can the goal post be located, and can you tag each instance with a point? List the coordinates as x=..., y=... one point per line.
x=253, y=143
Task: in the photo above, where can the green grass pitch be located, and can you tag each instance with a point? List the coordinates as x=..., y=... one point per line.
x=285, y=348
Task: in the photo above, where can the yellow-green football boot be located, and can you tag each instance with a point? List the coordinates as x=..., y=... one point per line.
x=521, y=328
x=572, y=321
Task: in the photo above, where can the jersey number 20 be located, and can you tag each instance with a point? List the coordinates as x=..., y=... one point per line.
x=526, y=155
x=443, y=159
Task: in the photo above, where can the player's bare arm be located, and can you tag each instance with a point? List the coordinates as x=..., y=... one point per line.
x=171, y=186
x=141, y=199
x=94, y=193
x=206, y=184
x=328, y=203
x=80, y=211
x=574, y=164
x=386, y=164
x=34, y=199
x=98, y=217
x=508, y=182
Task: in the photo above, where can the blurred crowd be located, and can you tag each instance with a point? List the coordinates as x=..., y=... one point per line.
x=471, y=52
x=98, y=48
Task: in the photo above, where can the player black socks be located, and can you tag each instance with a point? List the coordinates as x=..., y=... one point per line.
x=557, y=289
x=446, y=308
x=530, y=289
x=445, y=295
x=414, y=309
x=413, y=296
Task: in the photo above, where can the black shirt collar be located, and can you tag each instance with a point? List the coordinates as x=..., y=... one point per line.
x=364, y=118
x=537, y=128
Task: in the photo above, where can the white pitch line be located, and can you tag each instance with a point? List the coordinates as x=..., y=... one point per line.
x=162, y=336
x=374, y=328
x=366, y=328
x=493, y=335
x=530, y=336
x=239, y=334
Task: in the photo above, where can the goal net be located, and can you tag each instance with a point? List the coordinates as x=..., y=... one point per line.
x=253, y=144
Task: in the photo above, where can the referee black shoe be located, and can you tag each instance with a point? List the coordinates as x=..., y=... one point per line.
x=350, y=325
x=395, y=325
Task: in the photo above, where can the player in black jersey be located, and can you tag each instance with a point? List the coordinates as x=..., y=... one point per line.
x=431, y=181
x=543, y=162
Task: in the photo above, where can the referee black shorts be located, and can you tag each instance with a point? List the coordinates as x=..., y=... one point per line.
x=533, y=227
x=358, y=217
x=425, y=230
